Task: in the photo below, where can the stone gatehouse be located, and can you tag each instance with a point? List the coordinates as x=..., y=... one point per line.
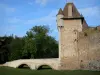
x=79, y=44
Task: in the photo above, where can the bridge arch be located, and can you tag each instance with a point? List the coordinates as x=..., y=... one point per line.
x=24, y=65
x=44, y=66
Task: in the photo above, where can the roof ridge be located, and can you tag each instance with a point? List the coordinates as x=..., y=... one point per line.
x=75, y=12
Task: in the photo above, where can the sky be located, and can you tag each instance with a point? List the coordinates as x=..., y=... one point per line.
x=19, y=16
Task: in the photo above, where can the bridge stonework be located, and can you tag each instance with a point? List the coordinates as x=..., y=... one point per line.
x=77, y=48
x=34, y=64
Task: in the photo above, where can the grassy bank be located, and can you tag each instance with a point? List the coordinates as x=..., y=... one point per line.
x=12, y=71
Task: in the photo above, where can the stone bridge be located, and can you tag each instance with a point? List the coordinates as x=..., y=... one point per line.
x=34, y=64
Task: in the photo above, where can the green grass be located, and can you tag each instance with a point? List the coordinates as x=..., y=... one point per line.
x=12, y=71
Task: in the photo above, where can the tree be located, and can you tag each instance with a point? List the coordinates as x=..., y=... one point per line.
x=46, y=46
x=36, y=44
x=29, y=48
x=16, y=48
x=4, y=48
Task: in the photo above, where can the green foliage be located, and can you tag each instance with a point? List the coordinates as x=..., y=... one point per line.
x=46, y=46
x=29, y=48
x=4, y=48
x=16, y=48
x=36, y=44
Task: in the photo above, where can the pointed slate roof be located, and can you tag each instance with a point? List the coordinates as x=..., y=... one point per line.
x=75, y=13
x=65, y=10
x=60, y=12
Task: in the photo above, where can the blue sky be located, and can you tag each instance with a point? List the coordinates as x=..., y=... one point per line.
x=18, y=16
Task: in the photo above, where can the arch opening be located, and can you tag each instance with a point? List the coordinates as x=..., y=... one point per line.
x=23, y=66
x=45, y=67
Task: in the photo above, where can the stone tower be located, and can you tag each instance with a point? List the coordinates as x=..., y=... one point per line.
x=69, y=23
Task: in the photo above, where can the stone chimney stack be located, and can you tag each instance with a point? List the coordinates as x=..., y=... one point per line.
x=70, y=11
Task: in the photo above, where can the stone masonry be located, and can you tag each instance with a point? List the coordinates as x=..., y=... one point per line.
x=79, y=44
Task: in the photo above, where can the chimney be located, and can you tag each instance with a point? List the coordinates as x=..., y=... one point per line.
x=70, y=10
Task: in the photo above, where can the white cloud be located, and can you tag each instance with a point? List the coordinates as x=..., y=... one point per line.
x=90, y=11
x=47, y=20
x=30, y=3
x=92, y=15
x=42, y=2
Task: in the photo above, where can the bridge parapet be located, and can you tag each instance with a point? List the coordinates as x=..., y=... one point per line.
x=34, y=63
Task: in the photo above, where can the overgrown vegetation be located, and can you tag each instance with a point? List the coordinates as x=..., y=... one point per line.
x=35, y=44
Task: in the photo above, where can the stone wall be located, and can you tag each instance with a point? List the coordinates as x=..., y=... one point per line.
x=79, y=49
x=68, y=39
x=89, y=49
